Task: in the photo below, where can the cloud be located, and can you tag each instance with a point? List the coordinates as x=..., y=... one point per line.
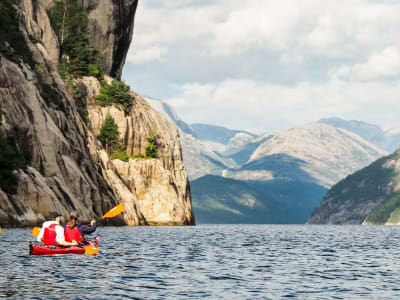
x=385, y=64
x=266, y=63
x=269, y=107
x=146, y=54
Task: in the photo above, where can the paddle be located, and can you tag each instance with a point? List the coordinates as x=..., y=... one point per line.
x=91, y=250
x=115, y=211
x=35, y=231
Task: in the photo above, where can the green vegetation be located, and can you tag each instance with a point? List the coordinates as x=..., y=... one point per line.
x=370, y=187
x=151, y=148
x=109, y=134
x=367, y=184
x=11, y=159
x=79, y=58
x=120, y=153
x=395, y=216
x=383, y=212
x=12, y=41
x=109, y=139
x=75, y=92
x=116, y=93
x=49, y=92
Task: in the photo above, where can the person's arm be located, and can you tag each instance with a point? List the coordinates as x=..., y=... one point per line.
x=40, y=236
x=60, y=237
x=84, y=229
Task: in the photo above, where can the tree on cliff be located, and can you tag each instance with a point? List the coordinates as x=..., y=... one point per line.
x=151, y=148
x=118, y=92
x=70, y=22
x=109, y=134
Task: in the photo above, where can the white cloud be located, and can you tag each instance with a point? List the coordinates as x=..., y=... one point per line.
x=236, y=103
x=266, y=63
x=231, y=26
x=379, y=65
x=146, y=54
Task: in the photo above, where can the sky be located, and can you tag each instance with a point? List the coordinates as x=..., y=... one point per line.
x=267, y=65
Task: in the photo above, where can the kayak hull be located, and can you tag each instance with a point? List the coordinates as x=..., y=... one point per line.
x=91, y=248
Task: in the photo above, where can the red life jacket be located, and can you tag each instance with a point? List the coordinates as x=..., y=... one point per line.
x=72, y=235
x=49, y=235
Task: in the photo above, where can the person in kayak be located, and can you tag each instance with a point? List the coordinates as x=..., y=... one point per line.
x=75, y=230
x=52, y=233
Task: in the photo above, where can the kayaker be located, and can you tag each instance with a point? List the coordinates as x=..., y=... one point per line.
x=52, y=233
x=75, y=230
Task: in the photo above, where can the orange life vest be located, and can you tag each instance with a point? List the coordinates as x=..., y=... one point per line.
x=72, y=234
x=49, y=235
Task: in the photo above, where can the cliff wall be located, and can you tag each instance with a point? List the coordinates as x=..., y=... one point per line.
x=62, y=165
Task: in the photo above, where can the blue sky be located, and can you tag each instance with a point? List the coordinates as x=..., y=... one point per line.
x=264, y=65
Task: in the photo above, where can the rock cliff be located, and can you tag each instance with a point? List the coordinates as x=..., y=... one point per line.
x=62, y=164
x=111, y=28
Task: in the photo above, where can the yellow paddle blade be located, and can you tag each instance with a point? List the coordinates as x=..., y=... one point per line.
x=1, y=231
x=35, y=231
x=114, y=212
x=91, y=250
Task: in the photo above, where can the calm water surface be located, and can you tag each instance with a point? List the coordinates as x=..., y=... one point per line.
x=215, y=262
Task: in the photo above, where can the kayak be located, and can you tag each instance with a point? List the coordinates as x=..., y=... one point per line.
x=91, y=248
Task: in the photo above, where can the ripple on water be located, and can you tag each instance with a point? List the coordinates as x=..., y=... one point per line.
x=216, y=261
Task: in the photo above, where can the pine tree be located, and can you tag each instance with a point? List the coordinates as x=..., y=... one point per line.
x=70, y=22
x=117, y=92
x=151, y=148
x=109, y=134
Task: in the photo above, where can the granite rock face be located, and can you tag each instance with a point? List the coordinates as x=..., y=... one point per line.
x=59, y=174
x=111, y=24
x=111, y=28
x=160, y=186
x=66, y=167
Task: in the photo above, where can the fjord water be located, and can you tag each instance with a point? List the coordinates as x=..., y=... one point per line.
x=213, y=261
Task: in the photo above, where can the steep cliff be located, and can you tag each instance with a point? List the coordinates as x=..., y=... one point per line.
x=54, y=162
x=369, y=196
x=159, y=185
x=39, y=114
x=111, y=28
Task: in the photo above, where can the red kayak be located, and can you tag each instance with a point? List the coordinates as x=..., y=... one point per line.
x=91, y=248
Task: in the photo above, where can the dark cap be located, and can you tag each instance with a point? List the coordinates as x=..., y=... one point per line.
x=54, y=215
x=74, y=214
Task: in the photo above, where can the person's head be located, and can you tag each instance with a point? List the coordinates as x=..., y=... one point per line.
x=73, y=217
x=55, y=216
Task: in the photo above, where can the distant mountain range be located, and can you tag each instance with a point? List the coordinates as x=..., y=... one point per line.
x=388, y=140
x=278, y=177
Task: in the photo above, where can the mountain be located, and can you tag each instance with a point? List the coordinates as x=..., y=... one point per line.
x=290, y=171
x=365, y=130
x=201, y=157
x=388, y=140
x=218, y=134
x=224, y=200
x=57, y=89
x=323, y=154
x=278, y=177
x=369, y=196
x=168, y=112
